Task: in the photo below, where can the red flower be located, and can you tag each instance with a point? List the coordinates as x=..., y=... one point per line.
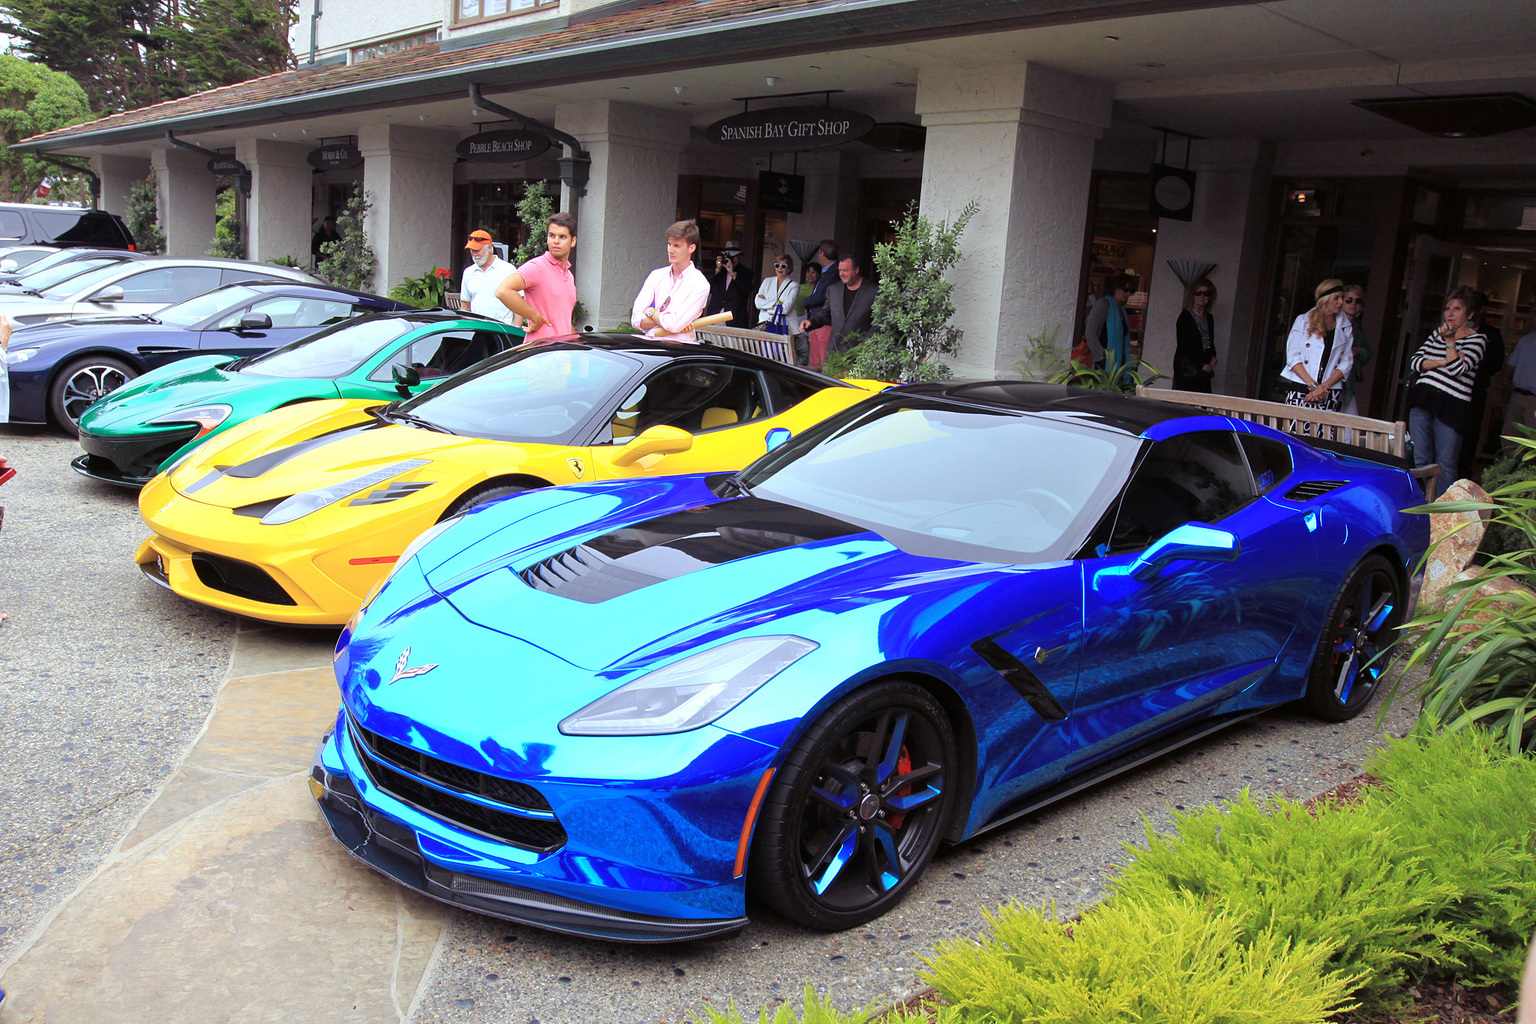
x=443, y=272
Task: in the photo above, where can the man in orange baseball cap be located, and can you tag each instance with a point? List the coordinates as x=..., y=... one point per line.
x=477, y=290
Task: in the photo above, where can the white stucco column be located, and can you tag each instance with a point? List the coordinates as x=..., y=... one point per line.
x=1019, y=140
x=408, y=174
x=631, y=199
x=1231, y=206
x=118, y=174
x=186, y=201
x=280, y=201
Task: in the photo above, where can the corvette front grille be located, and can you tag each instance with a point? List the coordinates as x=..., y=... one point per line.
x=404, y=774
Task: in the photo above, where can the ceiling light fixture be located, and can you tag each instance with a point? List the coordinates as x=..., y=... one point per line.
x=772, y=81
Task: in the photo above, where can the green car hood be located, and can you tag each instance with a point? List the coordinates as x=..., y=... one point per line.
x=189, y=383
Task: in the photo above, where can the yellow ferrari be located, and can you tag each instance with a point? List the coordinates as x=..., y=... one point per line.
x=296, y=515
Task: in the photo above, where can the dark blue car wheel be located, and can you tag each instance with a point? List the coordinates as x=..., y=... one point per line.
x=81, y=383
x=1356, y=643
x=857, y=809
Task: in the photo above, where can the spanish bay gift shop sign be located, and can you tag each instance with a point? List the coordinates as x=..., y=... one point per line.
x=791, y=128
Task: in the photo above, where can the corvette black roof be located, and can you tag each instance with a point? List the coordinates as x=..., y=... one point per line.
x=1129, y=413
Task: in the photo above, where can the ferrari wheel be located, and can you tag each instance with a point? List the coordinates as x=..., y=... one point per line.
x=857, y=809
x=81, y=383
x=1357, y=640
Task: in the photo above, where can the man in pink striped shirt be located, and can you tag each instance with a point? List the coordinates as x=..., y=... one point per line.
x=543, y=291
x=674, y=296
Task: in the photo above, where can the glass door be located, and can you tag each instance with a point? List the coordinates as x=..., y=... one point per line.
x=1431, y=274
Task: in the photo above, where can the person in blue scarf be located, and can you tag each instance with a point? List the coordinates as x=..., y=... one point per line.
x=1108, y=329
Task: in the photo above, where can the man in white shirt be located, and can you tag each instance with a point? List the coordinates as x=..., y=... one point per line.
x=477, y=290
x=674, y=296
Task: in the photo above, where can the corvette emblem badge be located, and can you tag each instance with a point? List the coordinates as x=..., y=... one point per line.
x=577, y=466
x=401, y=672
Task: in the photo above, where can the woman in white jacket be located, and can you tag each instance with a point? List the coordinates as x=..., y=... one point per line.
x=1319, y=352
x=777, y=292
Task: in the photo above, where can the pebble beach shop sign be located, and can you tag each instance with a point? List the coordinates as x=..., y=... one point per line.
x=790, y=128
x=509, y=145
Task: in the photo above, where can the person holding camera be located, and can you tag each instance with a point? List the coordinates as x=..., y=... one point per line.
x=730, y=289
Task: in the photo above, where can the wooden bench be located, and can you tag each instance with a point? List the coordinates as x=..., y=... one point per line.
x=778, y=347
x=1390, y=437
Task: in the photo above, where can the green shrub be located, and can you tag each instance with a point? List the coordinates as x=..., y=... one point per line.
x=909, y=323
x=814, y=1011
x=841, y=364
x=533, y=211
x=1174, y=960
x=1043, y=357
x=1114, y=377
x=349, y=261
x=424, y=292
x=1339, y=878
x=228, y=234
x=142, y=217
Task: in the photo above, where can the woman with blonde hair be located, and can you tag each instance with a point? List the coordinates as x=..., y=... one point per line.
x=1319, y=351
x=1194, y=360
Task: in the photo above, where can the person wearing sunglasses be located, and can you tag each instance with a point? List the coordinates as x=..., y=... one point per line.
x=776, y=297
x=1194, y=357
x=1319, y=351
x=1441, y=395
x=1354, y=305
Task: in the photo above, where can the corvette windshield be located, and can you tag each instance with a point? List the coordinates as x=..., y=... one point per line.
x=201, y=307
x=330, y=352
x=952, y=482
x=533, y=394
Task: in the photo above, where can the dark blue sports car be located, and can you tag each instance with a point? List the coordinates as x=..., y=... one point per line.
x=58, y=369
x=616, y=709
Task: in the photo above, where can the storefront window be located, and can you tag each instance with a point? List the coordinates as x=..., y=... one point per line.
x=470, y=11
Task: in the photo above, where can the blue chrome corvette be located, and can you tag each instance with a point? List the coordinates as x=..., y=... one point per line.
x=613, y=709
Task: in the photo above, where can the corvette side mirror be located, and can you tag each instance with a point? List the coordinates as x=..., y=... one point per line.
x=255, y=322
x=406, y=377
x=654, y=441
x=1192, y=542
x=776, y=437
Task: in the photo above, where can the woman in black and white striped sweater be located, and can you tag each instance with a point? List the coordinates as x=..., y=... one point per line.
x=1437, y=404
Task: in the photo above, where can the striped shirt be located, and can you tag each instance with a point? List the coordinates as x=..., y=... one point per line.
x=1455, y=377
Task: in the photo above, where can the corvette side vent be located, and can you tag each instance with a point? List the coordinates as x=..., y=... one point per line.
x=583, y=574
x=1313, y=489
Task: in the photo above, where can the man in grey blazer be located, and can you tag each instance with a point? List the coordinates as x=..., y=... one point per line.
x=848, y=306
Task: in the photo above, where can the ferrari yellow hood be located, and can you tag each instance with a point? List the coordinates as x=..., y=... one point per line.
x=318, y=444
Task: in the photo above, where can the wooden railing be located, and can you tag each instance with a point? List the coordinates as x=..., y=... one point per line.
x=778, y=347
x=1389, y=437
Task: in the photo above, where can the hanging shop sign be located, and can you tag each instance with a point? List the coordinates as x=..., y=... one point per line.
x=226, y=166
x=1173, y=192
x=783, y=192
x=504, y=146
x=790, y=129
x=335, y=156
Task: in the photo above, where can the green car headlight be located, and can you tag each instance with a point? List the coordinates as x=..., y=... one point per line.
x=302, y=504
x=205, y=416
x=689, y=693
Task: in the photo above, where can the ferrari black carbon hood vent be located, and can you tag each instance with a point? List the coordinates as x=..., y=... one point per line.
x=1313, y=489
x=674, y=545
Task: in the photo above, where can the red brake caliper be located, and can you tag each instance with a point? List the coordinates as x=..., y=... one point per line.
x=903, y=765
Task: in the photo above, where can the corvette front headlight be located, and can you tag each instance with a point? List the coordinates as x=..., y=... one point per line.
x=302, y=504
x=689, y=693
x=205, y=416
x=20, y=355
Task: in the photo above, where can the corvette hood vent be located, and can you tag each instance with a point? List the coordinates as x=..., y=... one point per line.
x=670, y=546
x=1313, y=489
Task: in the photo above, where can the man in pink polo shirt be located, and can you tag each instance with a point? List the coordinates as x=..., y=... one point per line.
x=543, y=291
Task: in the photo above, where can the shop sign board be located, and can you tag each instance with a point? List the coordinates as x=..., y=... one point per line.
x=336, y=156
x=504, y=146
x=790, y=129
x=784, y=192
x=226, y=166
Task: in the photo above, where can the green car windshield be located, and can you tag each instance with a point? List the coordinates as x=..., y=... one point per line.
x=331, y=352
x=529, y=394
x=200, y=307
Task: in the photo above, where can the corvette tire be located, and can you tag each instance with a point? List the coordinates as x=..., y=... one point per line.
x=1356, y=642
x=857, y=809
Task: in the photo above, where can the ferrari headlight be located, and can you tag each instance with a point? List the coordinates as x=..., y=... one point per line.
x=205, y=416
x=20, y=355
x=689, y=693
x=302, y=504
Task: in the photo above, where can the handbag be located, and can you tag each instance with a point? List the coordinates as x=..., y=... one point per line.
x=778, y=323
x=1082, y=355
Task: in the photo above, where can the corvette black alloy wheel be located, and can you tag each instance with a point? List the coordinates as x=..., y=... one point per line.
x=1356, y=643
x=858, y=808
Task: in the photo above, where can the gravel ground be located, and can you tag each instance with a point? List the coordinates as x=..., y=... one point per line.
x=105, y=679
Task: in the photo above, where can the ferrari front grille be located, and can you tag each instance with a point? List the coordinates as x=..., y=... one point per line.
x=241, y=579
x=1313, y=489
x=402, y=773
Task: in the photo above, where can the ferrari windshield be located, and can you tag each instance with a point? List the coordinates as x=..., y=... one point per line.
x=332, y=351
x=201, y=307
x=539, y=393
x=955, y=482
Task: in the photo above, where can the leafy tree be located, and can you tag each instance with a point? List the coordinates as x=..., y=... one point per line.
x=533, y=210
x=143, y=217
x=349, y=261
x=33, y=99
x=228, y=41
x=909, y=325
x=228, y=240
